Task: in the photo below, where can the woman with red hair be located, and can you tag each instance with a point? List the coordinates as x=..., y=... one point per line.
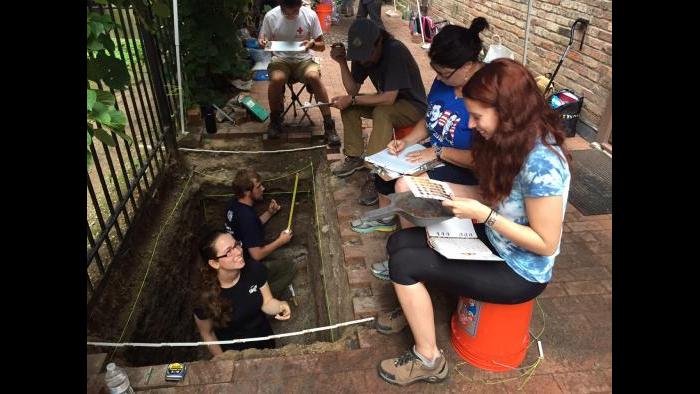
x=522, y=167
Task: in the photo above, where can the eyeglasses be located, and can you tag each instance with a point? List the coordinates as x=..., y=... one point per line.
x=443, y=76
x=229, y=251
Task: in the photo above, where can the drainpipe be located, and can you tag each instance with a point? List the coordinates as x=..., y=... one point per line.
x=179, y=72
x=527, y=30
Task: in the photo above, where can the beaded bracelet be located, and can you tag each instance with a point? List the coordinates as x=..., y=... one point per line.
x=491, y=219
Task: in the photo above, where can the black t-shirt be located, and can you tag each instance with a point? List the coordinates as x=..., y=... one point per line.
x=396, y=70
x=244, y=224
x=248, y=320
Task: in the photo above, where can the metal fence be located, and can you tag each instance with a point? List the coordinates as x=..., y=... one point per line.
x=122, y=177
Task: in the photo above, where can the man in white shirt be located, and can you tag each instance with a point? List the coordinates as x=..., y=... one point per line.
x=291, y=22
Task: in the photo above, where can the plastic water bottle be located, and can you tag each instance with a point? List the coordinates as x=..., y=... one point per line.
x=117, y=380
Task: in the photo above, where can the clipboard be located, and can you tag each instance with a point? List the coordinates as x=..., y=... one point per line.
x=284, y=46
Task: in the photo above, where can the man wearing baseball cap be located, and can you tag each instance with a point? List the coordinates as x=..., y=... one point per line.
x=400, y=99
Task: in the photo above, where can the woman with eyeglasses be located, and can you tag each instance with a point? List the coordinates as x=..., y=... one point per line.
x=235, y=296
x=523, y=169
x=454, y=56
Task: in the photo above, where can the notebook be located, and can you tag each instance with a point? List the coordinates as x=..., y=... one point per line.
x=456, y=239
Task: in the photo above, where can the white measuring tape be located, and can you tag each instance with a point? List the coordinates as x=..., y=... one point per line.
x=231, y=341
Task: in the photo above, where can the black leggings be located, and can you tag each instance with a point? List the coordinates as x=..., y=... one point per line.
x=411, y=260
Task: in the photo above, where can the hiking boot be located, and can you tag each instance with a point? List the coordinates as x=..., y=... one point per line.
x=391, y=322
x=385, y=225
x=274, y=129
x=411, y=368
x=368, y=192
x=330, y=134
x=349, y=166
x=381, y=270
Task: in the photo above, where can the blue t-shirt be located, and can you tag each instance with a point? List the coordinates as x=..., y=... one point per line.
x=447, y=119
x=244, y=224
x=544, y=173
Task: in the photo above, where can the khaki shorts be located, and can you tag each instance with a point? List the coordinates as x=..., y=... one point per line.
x=294, y=68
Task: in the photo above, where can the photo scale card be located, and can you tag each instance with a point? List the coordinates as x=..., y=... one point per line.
x=429, y=188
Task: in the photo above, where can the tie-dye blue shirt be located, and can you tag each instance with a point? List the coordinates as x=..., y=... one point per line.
x=543, y=174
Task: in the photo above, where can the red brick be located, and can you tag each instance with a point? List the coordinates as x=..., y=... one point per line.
x=553, y=290
x=591, y=218
x=536, y=384
x=584, y=226
x=351, y=240
x=603, y=236
x=359, y=278
x=584, y=382
x=370, y=306
x=585, y=287
x=590, y=273
x=382, y=287
x=584, y=236
x=353, y=252
x=334, y=156
x=605, y=224
x=355, y=262
x=361, y=292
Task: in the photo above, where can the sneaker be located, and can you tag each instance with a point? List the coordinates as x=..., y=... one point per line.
x=381, y=270
x=368, y=192
x=330, y=134
x=391, y=322
x=367, y=226
x=349, y=166
x=409, y=368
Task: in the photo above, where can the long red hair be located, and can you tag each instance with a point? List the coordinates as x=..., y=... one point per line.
x=523, y=116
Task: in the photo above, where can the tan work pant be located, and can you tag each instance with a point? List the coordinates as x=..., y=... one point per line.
x=384, y=118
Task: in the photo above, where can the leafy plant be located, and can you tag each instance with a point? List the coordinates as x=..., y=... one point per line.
x=103, y=66
x=212, y=51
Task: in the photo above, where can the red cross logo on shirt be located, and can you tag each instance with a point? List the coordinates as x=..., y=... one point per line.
x=300, y=30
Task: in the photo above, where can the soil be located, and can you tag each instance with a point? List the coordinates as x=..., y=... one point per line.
x=194, y=193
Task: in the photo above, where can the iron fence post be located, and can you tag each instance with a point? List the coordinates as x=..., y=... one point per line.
x=153, y=63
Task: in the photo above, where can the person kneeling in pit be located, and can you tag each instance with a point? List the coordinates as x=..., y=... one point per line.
x=235, y=296
x=245, y=225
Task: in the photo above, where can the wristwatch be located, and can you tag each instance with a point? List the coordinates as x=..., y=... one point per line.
x=354, y=100
x=438, y=151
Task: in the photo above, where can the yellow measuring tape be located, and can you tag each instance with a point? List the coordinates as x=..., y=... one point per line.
x=294, y=197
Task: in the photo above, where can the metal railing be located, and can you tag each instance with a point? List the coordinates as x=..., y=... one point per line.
x=122, y=177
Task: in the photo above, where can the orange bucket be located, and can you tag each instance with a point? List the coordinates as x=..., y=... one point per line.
x=494, y=337
x=324, y=16
x=403, y=131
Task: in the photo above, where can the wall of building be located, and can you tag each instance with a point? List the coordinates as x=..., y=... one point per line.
x=587, y=71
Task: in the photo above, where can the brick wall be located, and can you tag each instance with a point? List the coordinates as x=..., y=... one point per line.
x=587, y=71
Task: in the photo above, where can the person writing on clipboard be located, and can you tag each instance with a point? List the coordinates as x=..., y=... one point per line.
x=291, y=22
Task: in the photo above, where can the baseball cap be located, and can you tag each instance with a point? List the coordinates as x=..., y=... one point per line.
x=362, y=35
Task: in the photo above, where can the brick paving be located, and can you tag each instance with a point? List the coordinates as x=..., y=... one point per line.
x=575, y=310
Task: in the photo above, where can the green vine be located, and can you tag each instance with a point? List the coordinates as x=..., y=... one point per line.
x=105, y=66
